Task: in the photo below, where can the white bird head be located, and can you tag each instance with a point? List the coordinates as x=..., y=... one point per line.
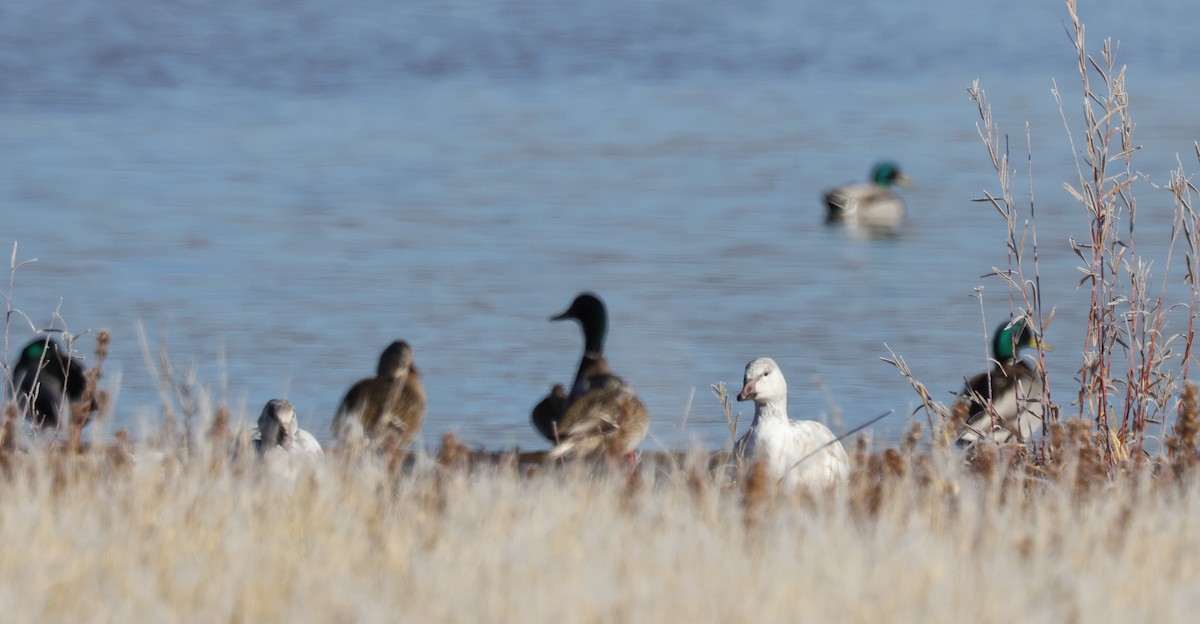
x=277, y=425
x=763, y=383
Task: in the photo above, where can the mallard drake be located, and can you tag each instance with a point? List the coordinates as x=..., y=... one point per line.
x=601, y=412
x=279, y=434
x=392, y=403
x=46, y=381
x=1012, y=388
x=593, y=319
x=795, y=452
x=870, y=204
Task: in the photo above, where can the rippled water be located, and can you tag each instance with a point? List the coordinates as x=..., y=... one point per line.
x=280, y=189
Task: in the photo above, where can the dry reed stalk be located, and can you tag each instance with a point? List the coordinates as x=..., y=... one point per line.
x=1024, y=285
x=1187, y=225
x=218, y=431
x=119, y=455
x=7, y=391
x=454, y=454
x=756, y=490
x=10, y=312
x=173, y=388
x=731, y=420
x=634, y=486
x=388, y=448
x=1077, y=458
x=1125, y=380
x=871, y=477
x=8, y=441
x=94, y=399
x=1181, y=444
x=935, y=413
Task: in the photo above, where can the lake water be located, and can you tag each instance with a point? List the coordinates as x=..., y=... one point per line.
x=276, y=190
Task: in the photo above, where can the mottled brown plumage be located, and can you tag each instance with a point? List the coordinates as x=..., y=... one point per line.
x=392, y=403
x=608, y=418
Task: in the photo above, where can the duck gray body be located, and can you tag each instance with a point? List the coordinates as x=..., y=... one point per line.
x=872, y=204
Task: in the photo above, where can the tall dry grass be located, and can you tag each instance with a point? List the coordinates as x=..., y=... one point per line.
x=914, y=537
x=1135, y=361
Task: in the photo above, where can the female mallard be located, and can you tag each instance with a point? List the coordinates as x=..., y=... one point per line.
x=602, y=412
x=1004, y=403
x=46, y=380
x=279, y=434
x=392, y=403
x=795, y=452
x=871, y=204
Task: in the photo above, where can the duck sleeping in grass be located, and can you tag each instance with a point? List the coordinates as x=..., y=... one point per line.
x=1005, y=403
x=795, y=452
x=601, y=413
x=871, y=204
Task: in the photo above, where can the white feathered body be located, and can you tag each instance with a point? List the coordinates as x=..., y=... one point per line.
x=796, y=452
x=304, y=445
x=280, y=442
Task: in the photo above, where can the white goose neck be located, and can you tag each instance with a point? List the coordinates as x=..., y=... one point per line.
x=775, y=410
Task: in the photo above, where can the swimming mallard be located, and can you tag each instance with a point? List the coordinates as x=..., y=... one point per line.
x=870, y=204
x=46, y=380
x=796, y=452
x=1013, y=390
x=279, y=434
x=602, y=412
x=392, y=403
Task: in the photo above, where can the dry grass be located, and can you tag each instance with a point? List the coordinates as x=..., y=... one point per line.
x=914, y=537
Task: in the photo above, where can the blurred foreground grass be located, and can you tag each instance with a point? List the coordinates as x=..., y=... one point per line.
x=915, y=537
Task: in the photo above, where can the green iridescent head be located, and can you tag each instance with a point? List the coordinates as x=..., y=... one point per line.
x=1011, y=337
x=888, y=173
x=34, y=350
x=39, y=349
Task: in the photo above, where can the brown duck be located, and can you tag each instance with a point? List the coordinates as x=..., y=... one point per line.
x=390, y=404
